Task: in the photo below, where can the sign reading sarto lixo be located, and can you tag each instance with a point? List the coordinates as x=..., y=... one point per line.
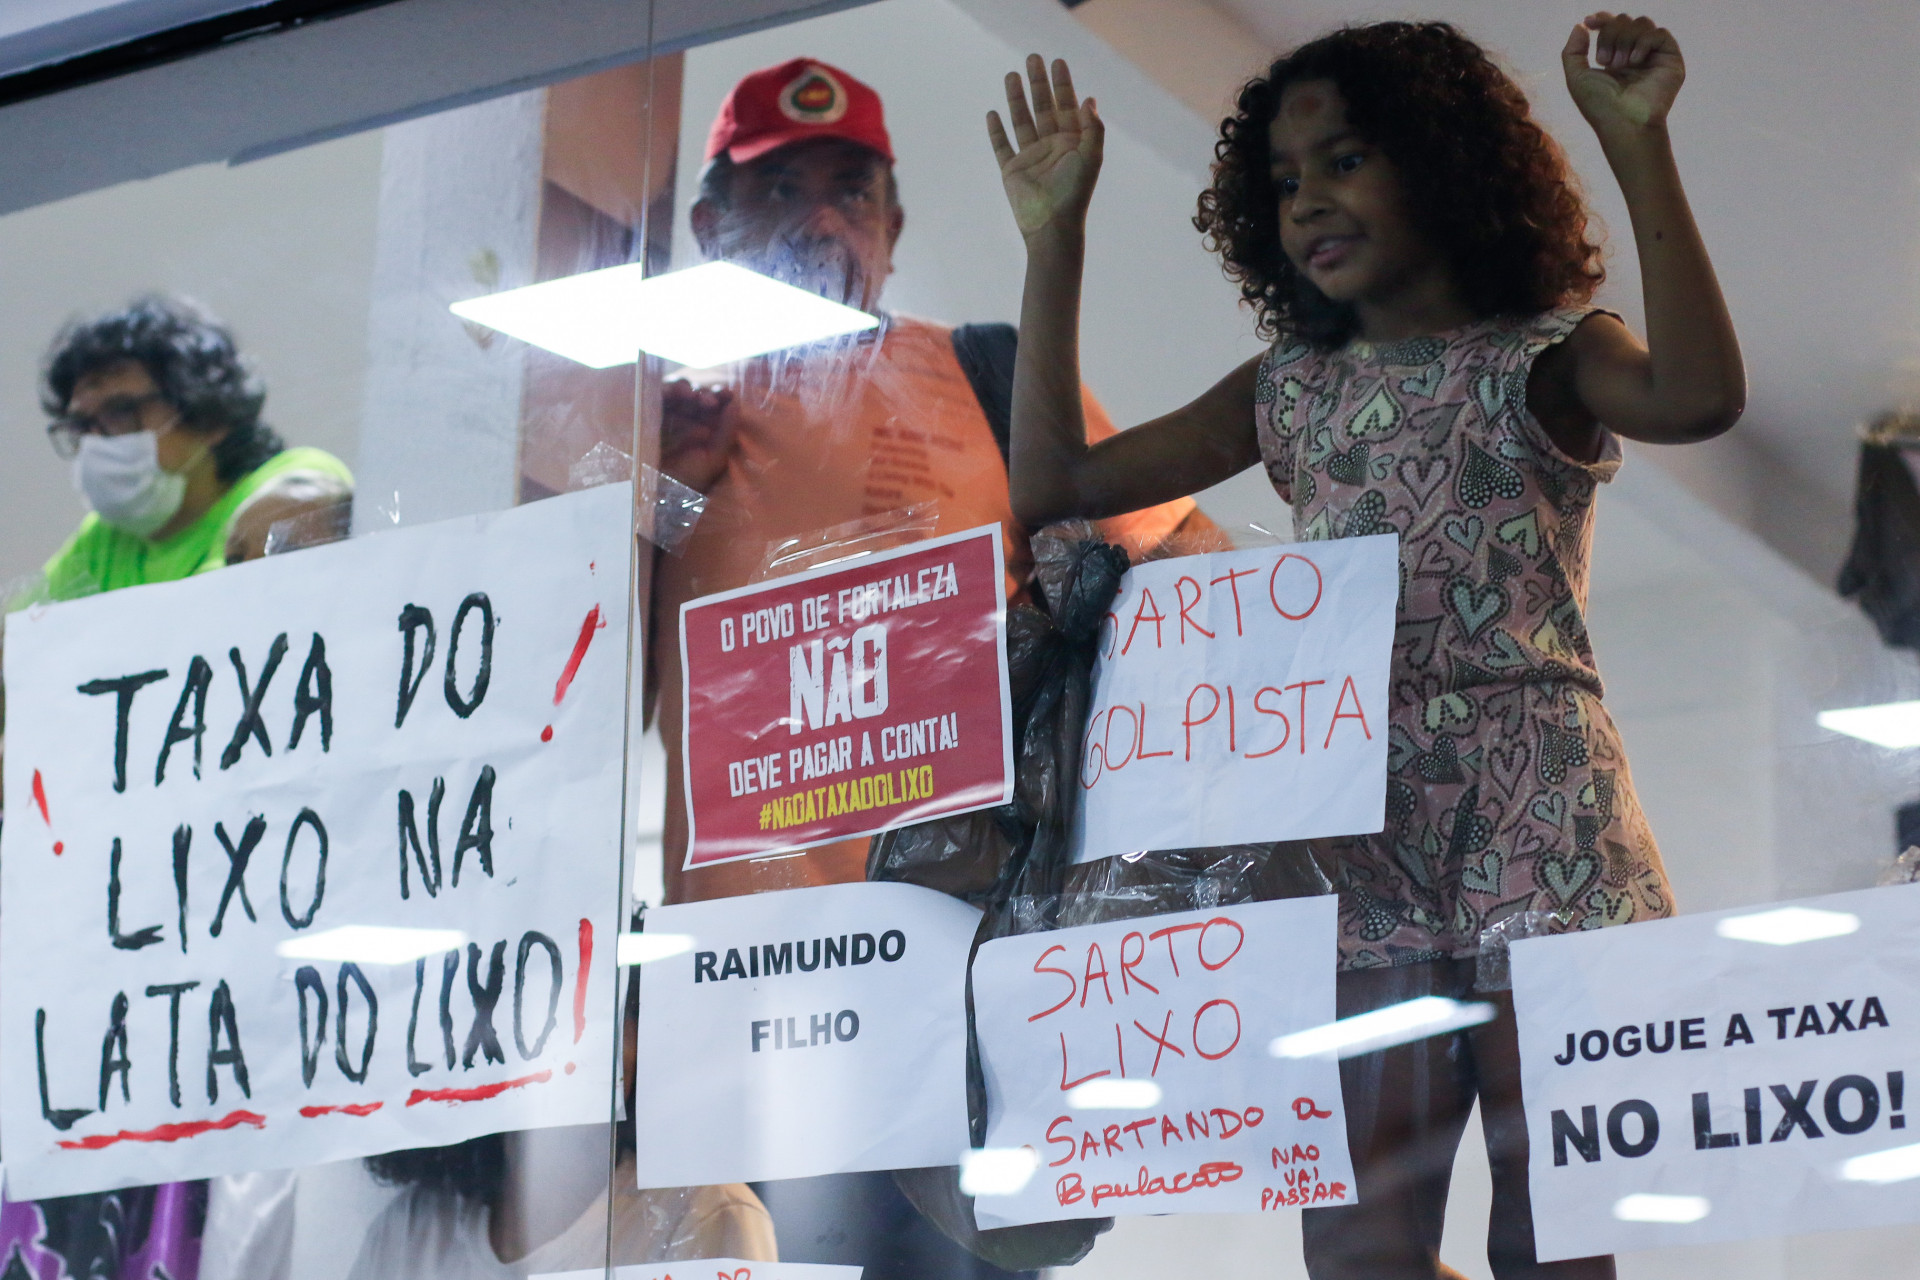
x=845, y=701
x=1133, y=1059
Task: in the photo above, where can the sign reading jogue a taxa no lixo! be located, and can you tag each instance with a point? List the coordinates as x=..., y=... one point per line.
x=403, y=735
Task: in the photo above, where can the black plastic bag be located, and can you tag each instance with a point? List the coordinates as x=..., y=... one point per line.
x=1016, y=854
x=1012, y=862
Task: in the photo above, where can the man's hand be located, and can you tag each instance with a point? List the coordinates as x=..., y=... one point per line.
x=1635, y=75
x=1050, y=178
x=696, y=433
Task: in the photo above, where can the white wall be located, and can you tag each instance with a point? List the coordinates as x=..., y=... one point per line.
x=282, y=250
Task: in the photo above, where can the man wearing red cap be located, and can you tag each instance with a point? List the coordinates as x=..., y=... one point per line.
x=903, y=427
x=799, y=186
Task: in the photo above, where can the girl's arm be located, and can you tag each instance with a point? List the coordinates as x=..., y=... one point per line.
x=1053, y=473
x=1688, y=382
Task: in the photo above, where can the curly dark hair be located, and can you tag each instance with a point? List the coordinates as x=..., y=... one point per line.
x=1489, y=185
x=474, y=1170
x=191, y=358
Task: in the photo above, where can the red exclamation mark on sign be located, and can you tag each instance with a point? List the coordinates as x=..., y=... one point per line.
x=40, y=798
x=580, y=980
x=588, y=626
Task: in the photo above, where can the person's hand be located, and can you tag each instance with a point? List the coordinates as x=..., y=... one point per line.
x=1635, y=74
x=696, y=433
x=1050, y=178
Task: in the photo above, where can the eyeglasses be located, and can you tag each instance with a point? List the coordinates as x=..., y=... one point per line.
x=119, y=416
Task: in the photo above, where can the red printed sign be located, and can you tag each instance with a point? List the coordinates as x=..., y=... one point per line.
x=847, y=700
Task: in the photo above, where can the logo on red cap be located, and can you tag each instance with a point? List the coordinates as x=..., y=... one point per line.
x=801, y=99
x=813, y=97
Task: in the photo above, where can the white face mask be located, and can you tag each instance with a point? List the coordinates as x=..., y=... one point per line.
x=122, y=480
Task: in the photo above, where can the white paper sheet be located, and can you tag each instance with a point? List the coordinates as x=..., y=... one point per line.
x=1173, y=1017
x=1241, y=697
x=1777, y=1074
x=717, y=1269
x=804, y=1032
x=507, y=757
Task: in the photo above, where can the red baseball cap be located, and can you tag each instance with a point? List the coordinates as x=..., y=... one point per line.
x=795, y=101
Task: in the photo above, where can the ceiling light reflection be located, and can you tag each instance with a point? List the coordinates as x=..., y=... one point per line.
x=1896, y=1165
x=1645, y=1207
x=371, y=944
x=703, y=316
x=645, y=948
x=1115, y=1095
x=1784, y=926
x=997, y=1171
x=1887, y=724
x=1382, y=1028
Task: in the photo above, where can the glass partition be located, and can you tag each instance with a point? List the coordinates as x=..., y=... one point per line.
x=841, y=591
x=232, y=365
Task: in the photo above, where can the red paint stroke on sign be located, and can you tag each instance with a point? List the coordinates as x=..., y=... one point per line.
x=40, y=798
x=590, y=624
x=580, y=981
x=479, y=1093
x=349, y=1109
x=165, y=1132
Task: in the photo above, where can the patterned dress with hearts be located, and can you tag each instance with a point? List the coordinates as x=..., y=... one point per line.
x=1507, y=785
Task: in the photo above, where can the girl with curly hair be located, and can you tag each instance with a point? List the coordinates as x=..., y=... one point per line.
x=1416, y=246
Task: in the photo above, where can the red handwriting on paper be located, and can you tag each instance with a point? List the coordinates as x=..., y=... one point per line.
x=479, y=1093
x=1222, y=720
x=580, y=983
x=346, y=1109
x=1303, y=1188
x=40, y=799
x=1070, y=1190
x=1293, y=590
x=1210, y=1032
x=165, y=1132
x=1301, y=1180
x=1304, y=1109
x=1216, y=1123
x=592, y=623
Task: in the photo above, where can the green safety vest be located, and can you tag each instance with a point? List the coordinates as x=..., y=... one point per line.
x=99, y=557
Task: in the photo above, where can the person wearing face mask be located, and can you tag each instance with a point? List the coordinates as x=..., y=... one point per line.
x=159, y=417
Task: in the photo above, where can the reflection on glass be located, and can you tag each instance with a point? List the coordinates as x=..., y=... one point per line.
x=1784, y=926
x=708, y=315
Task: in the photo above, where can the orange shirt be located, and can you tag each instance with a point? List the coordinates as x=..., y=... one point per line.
x=876, y=428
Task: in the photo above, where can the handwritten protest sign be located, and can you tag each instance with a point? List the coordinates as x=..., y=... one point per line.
x=1241, y=697
x=1722, y=1076
x=317, y=856
x=845, y=701
x=1133, y=1058
x=804, y=1032
x=716, y=1269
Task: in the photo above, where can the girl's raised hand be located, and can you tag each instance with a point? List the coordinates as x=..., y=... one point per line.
x=1635, y=74
x=1050, y=177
